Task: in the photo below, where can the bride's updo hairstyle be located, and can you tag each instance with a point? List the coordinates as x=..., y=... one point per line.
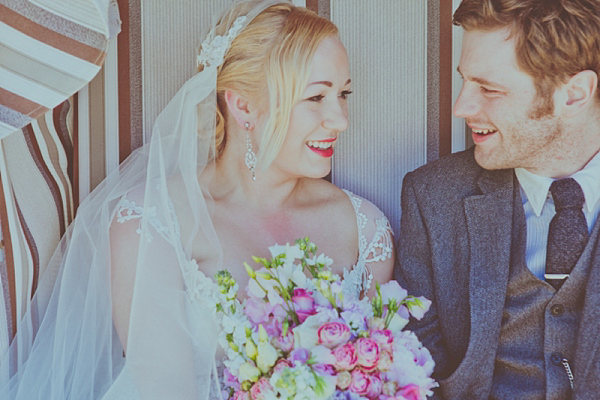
x=268, y=63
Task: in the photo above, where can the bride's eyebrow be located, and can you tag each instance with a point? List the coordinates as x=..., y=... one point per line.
x=328, y=83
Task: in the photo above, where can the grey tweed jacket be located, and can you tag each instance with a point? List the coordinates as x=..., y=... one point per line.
x=454, y=248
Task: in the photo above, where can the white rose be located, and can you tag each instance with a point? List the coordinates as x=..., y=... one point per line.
x=305, y=335
x=344, y=379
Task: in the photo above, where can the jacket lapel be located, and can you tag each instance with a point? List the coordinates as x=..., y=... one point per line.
x=490, y=228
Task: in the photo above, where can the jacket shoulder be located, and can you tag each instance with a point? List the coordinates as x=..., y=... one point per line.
x=455, y=171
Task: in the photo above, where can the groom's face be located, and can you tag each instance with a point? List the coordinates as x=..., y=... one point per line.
x=512, y=125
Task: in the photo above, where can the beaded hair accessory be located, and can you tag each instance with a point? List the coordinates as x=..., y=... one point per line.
x=215, y=47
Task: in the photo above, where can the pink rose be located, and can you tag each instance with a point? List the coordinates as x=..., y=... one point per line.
x=368, y=353
x=345, y=357
x=410, y=392
x=284, y=343
x=332, y=334
x=304, y=304
x=260, y=389
x=282, y=364
x=361, y=382
x=383, y=337
x=375, y=387
x=241, y=395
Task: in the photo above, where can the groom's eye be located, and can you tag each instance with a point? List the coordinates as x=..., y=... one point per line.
x=488, y=91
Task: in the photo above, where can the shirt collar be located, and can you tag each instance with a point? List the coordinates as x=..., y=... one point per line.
x=536, y=187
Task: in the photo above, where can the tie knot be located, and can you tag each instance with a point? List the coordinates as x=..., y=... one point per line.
x=567, y=194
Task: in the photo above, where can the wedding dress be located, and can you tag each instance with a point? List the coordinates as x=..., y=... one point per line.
x=67, y=346
x=374, y=242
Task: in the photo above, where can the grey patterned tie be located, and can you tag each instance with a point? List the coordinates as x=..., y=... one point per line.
x=568, y=232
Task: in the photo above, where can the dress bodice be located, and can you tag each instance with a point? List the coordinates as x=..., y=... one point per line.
x=375, y=244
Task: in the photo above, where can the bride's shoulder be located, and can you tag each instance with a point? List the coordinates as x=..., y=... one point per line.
x=364, y=206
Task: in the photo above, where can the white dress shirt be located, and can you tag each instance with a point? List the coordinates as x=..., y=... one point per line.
x=539, y=208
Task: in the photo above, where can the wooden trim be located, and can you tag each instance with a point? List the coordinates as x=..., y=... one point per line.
x=445, y=93
x=321, y=7
x=124, y=82
x=111, y=108
x=313, y=5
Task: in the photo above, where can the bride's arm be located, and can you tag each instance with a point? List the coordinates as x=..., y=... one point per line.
x=150, y=310
x=124, y=245
x=379, y=252
x=383, y=271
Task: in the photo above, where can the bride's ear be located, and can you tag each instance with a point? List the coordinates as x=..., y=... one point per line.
x=240, y=109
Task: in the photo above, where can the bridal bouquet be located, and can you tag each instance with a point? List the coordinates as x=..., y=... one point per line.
x=298, y=336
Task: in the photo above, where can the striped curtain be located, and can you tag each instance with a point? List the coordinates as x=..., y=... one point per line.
x=48, y=51
x=36, y=206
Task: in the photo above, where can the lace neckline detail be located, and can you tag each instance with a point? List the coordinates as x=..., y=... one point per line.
x=371, y=223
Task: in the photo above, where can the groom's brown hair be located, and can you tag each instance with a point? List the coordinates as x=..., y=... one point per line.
x=555, y=39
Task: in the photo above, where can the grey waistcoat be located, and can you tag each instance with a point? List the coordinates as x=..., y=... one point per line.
x=539, y=327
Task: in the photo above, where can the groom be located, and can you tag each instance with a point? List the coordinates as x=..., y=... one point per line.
x=516, y=297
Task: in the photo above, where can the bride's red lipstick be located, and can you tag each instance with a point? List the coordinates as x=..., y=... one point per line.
x=328, y=152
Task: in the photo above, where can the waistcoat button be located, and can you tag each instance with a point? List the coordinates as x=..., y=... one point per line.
x=557, y=310
x=556, y=358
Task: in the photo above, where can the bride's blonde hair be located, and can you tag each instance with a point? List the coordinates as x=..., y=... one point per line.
x=269, y=63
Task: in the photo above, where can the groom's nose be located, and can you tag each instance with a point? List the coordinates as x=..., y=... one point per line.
x=468, y=103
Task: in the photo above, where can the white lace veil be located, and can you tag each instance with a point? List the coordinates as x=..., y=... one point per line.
x=67, y=346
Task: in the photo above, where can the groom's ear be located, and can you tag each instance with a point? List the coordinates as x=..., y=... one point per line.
x=240, y=108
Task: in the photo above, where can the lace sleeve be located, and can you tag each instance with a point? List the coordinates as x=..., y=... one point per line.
x=128, y=209
x=375, y=241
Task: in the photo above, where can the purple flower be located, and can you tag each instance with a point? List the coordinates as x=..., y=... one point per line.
x=301, y=355
x=230, y=380
x=324, y=369
x=392, y=290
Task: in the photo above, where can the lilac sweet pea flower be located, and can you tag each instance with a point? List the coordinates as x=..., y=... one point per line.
x=418, y=307
x=393, y=290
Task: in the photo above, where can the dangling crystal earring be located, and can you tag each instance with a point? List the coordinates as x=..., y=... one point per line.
x=250, y=159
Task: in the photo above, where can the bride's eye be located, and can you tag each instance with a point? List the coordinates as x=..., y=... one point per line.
x=316, y=98
x=344, y=95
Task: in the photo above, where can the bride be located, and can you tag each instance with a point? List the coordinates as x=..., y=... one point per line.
x=233, y=167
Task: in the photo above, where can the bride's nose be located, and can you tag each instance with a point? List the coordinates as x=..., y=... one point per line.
x=335, y=117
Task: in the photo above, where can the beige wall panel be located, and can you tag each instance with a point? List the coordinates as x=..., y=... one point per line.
x=171, y=34
x=387, y=137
